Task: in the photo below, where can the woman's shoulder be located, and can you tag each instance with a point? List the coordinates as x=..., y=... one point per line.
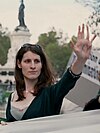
x=11, y=95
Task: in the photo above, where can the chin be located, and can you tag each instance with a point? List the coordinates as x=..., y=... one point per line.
x=32, y=78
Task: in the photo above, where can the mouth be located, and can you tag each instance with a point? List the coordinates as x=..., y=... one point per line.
x=32, y=72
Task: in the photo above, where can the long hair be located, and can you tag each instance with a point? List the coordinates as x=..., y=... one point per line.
x=46, y=77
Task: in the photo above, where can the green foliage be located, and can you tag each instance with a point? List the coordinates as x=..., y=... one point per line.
x=5, y=44
x=58, y=54
x=3, y=93
x=47, y=38
x=6, y=94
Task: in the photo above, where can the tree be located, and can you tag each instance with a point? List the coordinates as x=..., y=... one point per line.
x=47, y=38
x=95, y=4
x=94, y=18
x=58, y=54
x=5, y=44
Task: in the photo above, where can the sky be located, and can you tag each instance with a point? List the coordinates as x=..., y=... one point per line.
x=42, y=15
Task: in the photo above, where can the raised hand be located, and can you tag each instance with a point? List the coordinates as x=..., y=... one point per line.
x=83, y=46
x=82, y=49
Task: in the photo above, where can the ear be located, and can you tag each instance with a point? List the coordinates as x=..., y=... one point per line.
x=19, y=64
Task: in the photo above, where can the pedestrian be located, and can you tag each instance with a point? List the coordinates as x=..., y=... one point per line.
x=36, y=94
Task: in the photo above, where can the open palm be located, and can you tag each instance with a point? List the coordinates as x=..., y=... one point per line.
x=83, y=46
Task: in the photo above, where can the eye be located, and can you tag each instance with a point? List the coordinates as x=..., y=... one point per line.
x=27, y=60
x=37, y=61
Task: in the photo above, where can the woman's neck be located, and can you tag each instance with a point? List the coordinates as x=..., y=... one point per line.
x=30, y=84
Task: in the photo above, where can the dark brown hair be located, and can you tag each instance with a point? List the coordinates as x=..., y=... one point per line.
x=46, y=77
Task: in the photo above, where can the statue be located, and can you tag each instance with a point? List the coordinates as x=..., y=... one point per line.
x=21, y=25
x=21, y=14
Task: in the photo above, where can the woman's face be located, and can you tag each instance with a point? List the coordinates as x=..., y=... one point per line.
x=31, y=65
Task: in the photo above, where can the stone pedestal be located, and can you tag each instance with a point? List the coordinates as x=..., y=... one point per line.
x=18, y=37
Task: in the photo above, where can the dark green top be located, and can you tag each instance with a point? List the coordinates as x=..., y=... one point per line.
x=49, y=100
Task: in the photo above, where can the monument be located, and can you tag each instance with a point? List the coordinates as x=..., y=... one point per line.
x=18, y=37
x=22, y=25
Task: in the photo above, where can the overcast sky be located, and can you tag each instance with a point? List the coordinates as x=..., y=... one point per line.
x=41, y=15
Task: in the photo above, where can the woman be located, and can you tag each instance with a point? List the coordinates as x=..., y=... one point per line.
x=36, y=95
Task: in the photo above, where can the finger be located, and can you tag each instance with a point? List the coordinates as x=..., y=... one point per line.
x=79, y=32
x=87, y=32
x=93, y=38
x=82, y=31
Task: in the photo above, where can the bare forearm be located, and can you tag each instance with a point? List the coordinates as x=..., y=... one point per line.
x=77, y=66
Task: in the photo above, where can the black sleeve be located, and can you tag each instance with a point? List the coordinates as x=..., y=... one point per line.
x=93, y=104
x=2, y=119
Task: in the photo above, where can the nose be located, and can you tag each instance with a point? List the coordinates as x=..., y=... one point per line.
x=32, y=64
